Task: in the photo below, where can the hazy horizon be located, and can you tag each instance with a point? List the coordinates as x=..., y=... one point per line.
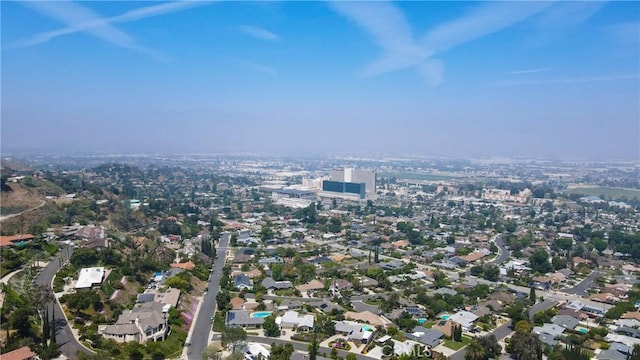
x=452, y=79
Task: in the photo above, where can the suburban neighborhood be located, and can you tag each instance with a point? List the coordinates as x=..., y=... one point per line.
x=275, y=261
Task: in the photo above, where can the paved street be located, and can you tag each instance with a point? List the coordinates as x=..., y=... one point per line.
x=202, y=324
x=504, y=252
x=505, y=330
x=69, y=346
x=581, y=288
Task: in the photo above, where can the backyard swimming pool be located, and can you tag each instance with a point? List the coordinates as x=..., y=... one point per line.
x=260, y=314
x=445, y=317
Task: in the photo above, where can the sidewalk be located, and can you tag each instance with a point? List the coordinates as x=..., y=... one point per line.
x=190, y=333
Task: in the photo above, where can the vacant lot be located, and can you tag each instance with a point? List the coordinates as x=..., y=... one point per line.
x=20, y=199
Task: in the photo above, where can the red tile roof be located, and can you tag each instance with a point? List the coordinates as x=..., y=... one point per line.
x=23, y=353
x=11, y=240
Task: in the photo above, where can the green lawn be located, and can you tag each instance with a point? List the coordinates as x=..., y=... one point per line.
x=608, y=192
x=373, y=302
x=455, y=345
x=428, y=324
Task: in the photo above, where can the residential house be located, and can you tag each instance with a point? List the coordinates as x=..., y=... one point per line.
x=293, y=320
x=480, y=310
x=91, y=232
x=271, y=284
x=147, y=322
x=445, y=291
x=271, y=260
x=548, y=339
x=97, y=243
x=327, y=306
x=23, y=353
x=429, y=337
x=357, y=333
x=242, y=282
x=415, y=311
x=368, y=282
x=311, y=286
x=393, y=265
x=241, y=258
x=551, y=329
x=610, y=355
x=565, y=321
x=445, y=327
x=340, y=285
x=242, y=318
x=366, y=317
x=465, y=319
x=15, y=239
x=580, y=261
x=628, y=331
x=90, y=277
x=604, y=298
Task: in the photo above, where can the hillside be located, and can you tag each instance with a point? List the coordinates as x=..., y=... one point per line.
x=20, y=198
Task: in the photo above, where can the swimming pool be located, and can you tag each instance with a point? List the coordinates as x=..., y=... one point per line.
x=368, y=328
x=422, y=321
x=260, y=314
x=582, y=330
x=445, y=317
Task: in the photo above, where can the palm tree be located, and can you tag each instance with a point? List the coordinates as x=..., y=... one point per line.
x=475, y=351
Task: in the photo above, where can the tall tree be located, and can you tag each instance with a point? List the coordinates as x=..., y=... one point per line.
x=532, y=295
x=271, y=329
x=281, y=352
x=233, y=336
x=475, y=351
x=525, y=346
x=313, y=348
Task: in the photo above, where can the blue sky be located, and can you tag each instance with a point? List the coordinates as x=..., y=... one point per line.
x=470, y=79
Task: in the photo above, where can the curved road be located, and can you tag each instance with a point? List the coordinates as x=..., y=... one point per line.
x=504, y=252
x=69, y=346
x=5, y=217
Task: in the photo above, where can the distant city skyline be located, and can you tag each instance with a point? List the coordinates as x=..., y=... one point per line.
x=558, y=80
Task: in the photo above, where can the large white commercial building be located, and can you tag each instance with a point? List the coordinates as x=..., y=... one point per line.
x=356, y=176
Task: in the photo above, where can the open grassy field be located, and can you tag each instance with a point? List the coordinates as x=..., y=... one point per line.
x=607, y=192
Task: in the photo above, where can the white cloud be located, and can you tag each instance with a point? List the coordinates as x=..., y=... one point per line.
x=577, y=80
x=528, y=71
x=391, y=31
x=81, y=19
x=560, y=19
x=259, y=33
